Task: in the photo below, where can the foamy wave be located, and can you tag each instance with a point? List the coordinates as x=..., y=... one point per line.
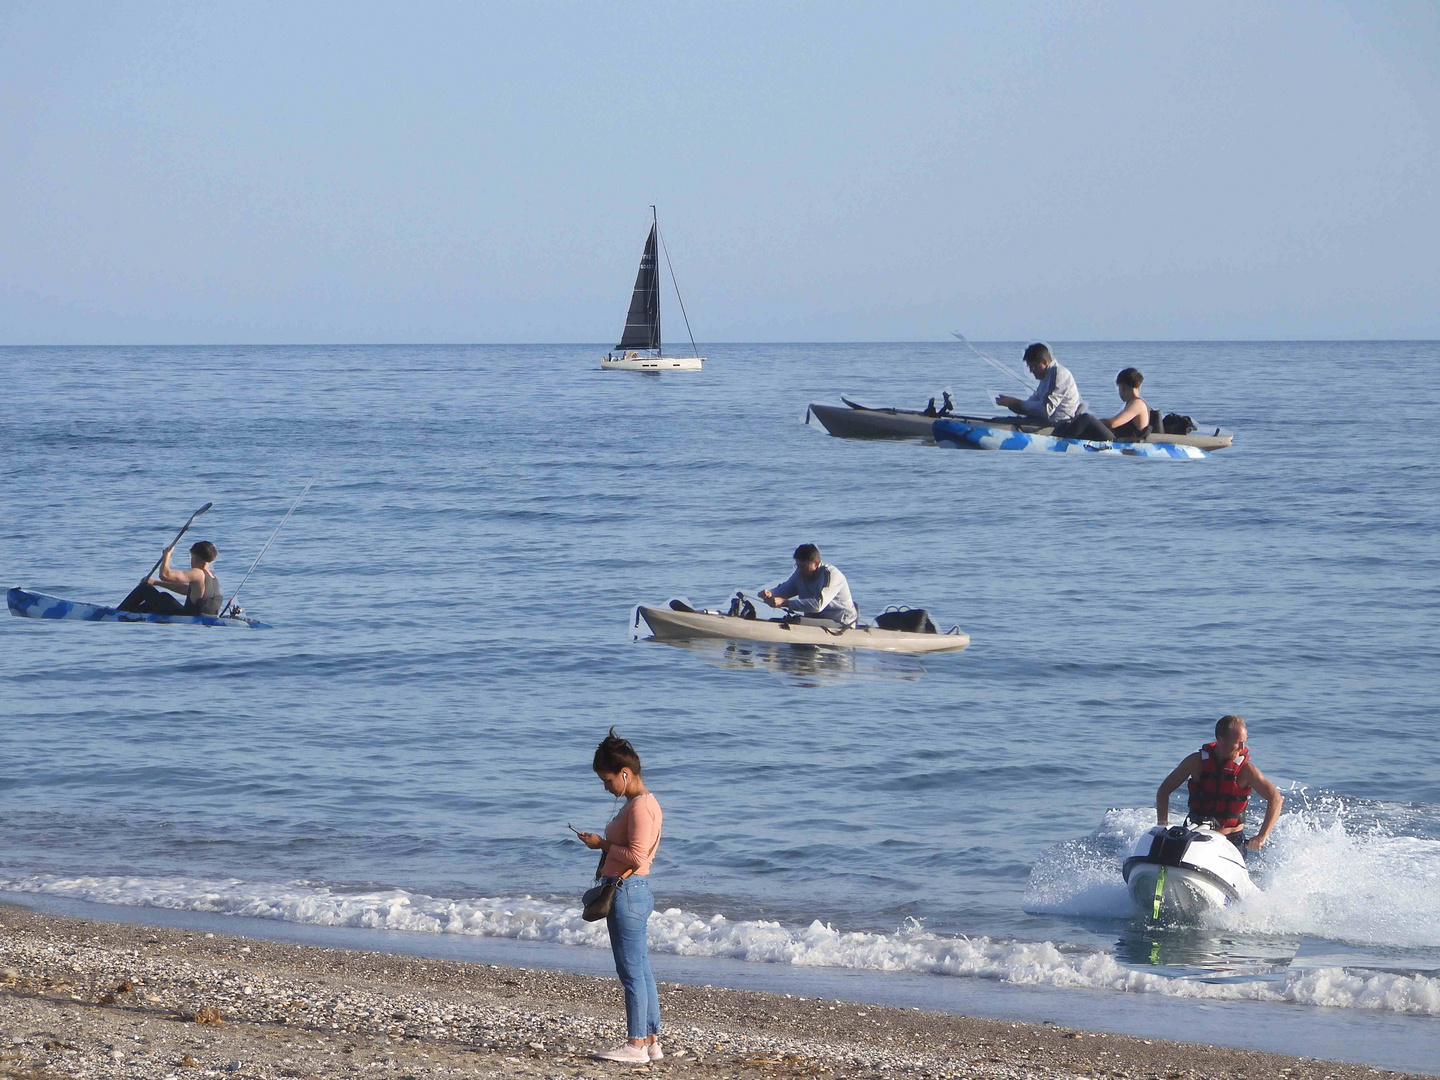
x=910, y=948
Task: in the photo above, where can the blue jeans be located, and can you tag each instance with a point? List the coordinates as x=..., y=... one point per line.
x=626, y=922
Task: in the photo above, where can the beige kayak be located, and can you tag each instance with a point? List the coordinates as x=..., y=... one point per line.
x=669, y=625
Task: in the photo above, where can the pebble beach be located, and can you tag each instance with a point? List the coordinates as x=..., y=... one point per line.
x=80, y=998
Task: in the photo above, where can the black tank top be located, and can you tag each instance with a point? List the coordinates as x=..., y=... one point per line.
x=1131, y=431
x=210, y=600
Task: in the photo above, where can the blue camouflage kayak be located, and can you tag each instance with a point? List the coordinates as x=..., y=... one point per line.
x=961, y=435
x=34, y=605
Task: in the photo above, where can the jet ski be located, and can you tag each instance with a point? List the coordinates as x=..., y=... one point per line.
x=1185, y=870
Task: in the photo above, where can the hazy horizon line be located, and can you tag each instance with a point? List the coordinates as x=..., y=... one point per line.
x=709, y=344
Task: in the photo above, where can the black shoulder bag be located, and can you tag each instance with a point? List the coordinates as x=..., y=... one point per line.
x=599, y=899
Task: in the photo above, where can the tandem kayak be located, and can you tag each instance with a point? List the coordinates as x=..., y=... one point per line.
x=854, y=421
x=966, y=435
x=33, y=605
x=668, y=624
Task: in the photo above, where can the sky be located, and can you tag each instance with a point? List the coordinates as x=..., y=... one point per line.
x=472, y=172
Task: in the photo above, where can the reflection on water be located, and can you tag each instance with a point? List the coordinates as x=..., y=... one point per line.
x=803, y=665
x=1182, y=951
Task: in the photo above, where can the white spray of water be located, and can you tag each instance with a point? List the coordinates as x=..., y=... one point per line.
x=1322, y=874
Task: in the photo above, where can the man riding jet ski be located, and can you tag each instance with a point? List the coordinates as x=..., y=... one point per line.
x=1188, y=868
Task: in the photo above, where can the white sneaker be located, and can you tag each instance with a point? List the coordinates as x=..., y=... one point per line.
x=653, y=1049
x=627, y=1052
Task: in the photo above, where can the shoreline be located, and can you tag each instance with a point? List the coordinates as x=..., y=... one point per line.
x=85, y=998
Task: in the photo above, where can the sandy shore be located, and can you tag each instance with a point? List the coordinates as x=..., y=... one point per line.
x=91, y=999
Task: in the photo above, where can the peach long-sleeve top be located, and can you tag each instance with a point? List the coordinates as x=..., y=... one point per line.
x=634, y=837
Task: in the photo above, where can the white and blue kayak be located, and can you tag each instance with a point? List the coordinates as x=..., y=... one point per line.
x=968, y=435
x=33, y=605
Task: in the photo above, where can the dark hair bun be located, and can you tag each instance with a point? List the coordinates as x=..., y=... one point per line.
x=614, y=754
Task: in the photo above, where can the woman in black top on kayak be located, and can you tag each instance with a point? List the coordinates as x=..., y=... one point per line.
x=1130, y=424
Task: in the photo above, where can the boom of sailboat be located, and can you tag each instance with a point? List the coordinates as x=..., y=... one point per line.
x=642, y=323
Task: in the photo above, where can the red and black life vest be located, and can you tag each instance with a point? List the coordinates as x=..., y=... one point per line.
x=1218, y=793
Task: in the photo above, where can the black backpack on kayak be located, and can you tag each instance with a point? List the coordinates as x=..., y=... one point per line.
x=910, y=620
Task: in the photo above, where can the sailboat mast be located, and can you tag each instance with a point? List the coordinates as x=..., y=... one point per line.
x=655, y=224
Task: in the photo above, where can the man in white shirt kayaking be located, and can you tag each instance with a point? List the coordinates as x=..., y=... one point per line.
x=1057, y=398
x=815, y=588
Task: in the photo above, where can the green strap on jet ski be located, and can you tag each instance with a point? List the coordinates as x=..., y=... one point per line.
x=1159, y=892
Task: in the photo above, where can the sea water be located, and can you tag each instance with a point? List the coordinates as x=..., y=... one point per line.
x=452, y=635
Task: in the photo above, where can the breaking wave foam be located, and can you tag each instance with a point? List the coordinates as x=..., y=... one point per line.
x=909, y=949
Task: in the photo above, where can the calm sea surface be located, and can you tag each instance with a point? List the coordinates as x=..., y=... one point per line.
x=451, y=607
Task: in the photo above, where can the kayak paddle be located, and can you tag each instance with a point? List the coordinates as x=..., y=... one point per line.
x=178, y=535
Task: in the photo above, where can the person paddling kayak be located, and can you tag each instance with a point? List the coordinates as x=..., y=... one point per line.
x=199, y=586
x=815, y=588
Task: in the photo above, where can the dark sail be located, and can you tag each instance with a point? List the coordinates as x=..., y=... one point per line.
x=642, y=325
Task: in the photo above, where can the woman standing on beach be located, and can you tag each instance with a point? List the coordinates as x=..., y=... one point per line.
x=630, y=842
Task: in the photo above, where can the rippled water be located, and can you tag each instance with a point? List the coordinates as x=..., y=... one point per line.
x=451, y=638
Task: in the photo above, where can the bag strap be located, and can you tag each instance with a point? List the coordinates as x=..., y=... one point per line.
x=622, y=877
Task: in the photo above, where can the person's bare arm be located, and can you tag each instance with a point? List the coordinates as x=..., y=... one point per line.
x=178, y=581
x=1182, y=772
x=1273, y=801
x=1130, y=412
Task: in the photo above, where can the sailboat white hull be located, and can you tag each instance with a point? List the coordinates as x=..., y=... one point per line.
x=652, y=363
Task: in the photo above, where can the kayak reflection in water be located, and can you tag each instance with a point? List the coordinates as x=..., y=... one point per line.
x=815, y=588
x=199, y=586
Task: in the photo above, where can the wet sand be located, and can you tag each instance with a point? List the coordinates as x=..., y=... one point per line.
x=92, y=999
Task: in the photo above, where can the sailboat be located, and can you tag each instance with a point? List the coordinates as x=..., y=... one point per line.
x=642, y=324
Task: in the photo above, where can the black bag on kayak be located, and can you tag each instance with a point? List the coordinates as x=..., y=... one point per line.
x=1178, y=424
x=910, y=620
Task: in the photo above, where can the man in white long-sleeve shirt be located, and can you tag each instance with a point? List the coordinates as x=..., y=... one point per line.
x=1056, y=399
x=815, y=588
